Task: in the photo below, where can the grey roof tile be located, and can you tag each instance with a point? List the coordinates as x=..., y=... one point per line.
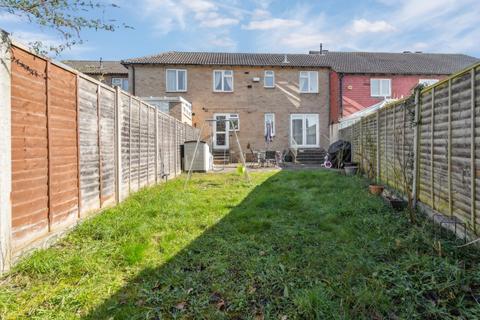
x=345, y=62
x=94, y=67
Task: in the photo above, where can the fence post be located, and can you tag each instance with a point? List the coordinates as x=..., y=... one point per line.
x=472, y=152
x=361, y=144
x=5, y=155
x=99, y=141
x=416, y=139
x=385, y=142
x=395, y=181
x=49, y=144
x=129, y=144
x=378, y=146
x=156, y=145
x=449, y=150
x=118, y=144
x=432, y=133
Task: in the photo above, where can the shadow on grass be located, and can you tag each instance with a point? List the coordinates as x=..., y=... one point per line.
x=306, y=244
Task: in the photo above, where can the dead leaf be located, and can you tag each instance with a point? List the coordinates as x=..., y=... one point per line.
x=221, y=304
x=181, y=305
x=189, y=290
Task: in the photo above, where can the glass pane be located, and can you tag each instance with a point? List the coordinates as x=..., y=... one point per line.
x=297, y=130
x=304, y=84
x=311, y=124
x=218, y=80
x=221, y=140
x=375, y=87
x=181, y=80
x=269, y=81
x=220, y=123
x=125, y=84
x=228, y=84
x=228, y=72
x=171, y=80
x=385, y=88
x=313, y=81
x=233, y=123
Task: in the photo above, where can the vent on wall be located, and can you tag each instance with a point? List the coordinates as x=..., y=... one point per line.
x=256, y=79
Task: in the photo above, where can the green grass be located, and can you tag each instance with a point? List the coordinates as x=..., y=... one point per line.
x=290, y=245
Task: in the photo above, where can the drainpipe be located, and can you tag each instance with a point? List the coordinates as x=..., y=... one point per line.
x=340, y=94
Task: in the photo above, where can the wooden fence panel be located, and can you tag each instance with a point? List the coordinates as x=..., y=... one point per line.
x=448, y=132
x=89, y=150
x=107, y=145
x=151, y=145
x=125, y=144
x=135, y=146
x=29, y=195
x=143, y=170
x=63, y=158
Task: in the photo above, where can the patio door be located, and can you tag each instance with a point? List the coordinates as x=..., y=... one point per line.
x=304, y=131
x=220, y=128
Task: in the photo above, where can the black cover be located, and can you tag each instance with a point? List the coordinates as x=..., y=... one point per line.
x=339, y=153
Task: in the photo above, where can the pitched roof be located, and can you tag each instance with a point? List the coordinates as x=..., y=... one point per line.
x=397, y=63
x=231, y=59
x=95, y=67
x=345, y=62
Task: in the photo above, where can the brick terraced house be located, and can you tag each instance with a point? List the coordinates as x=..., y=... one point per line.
x=301, y=97
x=362, y=79
x=288, y=93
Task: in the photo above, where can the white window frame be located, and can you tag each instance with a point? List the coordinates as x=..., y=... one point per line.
x=223, y=80
x=273, y=123
x=428, y=82
x=233, y=116
x=307, y=75
x=380, y=87
x=122, y=81
x=265, y=76
x=176, y=80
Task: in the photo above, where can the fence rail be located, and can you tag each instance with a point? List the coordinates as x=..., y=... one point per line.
x=77, y=146
x=426, y=145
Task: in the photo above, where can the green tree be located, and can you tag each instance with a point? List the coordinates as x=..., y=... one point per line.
x=66, y=17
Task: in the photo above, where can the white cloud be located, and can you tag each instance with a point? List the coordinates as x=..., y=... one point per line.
x=9, y=17
x=274, y=23
x=364, y=26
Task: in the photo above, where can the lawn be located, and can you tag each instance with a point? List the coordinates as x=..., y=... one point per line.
x=289, y=245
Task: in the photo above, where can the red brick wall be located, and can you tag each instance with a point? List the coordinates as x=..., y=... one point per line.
x=356, y=89
x=334, y=97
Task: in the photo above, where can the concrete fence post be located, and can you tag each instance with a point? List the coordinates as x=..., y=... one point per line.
x=377, y=141
x=118, y=145
x=5, y=155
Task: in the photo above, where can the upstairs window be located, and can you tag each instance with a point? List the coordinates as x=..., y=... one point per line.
x=120, y=82
x=223, y=81
x=380, y=87
x=427, y=82
x=308, y=82
x=176, y=80
x=269, y=79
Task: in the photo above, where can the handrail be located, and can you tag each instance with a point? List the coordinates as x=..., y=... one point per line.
x=294, y=149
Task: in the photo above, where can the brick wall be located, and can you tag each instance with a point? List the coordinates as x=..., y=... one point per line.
x=356, y=89
x=250, y=103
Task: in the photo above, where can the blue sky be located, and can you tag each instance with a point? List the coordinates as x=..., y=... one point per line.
x=274, y=26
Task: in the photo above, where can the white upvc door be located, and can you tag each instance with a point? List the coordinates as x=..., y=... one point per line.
x=304, y=130
x=221, y=131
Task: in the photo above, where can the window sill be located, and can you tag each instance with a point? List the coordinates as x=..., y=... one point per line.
x=166, y=91
x=222, y=91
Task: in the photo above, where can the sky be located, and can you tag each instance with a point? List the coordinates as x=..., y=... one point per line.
x=282, y=26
